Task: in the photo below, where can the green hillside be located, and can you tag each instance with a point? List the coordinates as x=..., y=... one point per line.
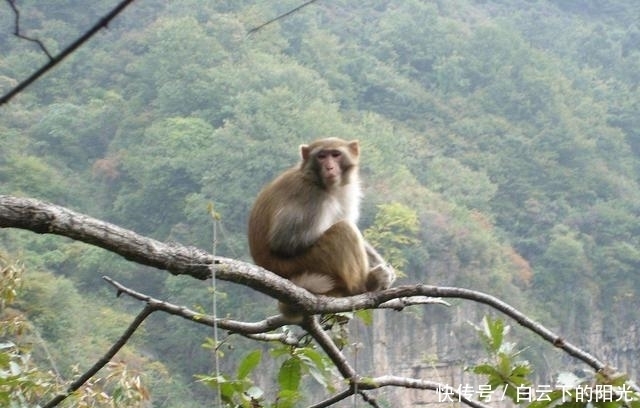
x=510, y=130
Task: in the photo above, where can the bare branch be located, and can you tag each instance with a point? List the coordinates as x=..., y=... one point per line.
x=43, y=217
x=46, y=218
x=281, y=16
x=53, y=61
x=374, y=299
x=105, y=359
x=234, y=326
x=395, y=381
x=17, y=33
x=258, y=331
x=312, y=326
x=448, y=393
x=401, y=303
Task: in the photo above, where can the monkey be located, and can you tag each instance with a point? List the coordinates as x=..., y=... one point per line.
x=303, y=225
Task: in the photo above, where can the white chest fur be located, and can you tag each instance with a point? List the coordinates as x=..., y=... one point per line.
x=344, y=204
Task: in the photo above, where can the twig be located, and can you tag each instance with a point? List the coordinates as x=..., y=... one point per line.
x=105, y=359
x=17, y=33
x=281, y=16
x=450, y=393
x=252, y=330
x=480, y=297
x=53, y=61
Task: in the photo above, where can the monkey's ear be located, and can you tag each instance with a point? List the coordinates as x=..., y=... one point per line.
x=304, y=152
x=354, y=147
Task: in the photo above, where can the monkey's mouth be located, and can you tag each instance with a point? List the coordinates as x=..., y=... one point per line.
x=331, y=179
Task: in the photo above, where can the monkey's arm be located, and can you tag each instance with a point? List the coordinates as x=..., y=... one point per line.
x=375, y=258
x=289, y=234
x=381, y=274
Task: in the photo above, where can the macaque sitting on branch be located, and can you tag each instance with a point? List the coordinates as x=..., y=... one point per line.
x=303, y=225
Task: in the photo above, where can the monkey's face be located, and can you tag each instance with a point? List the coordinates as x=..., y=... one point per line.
x=330, y=165
x=330, y=162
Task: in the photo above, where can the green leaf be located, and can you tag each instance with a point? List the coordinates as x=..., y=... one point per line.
x=504, y=365
x=547, y=399
x=634, y=404
x=312, y=358
x=249, y=363
x=485, y=369
x=519, y=374
x=572, y=404
x=227, y=390
x=279, y=351
x=606, y=377
x=290, y=374
x=287, y=398
x=317, y=365
x=607, y=404
x=493, y=333
x=227, y=387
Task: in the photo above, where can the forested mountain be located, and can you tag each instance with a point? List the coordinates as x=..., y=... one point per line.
x=506, y=133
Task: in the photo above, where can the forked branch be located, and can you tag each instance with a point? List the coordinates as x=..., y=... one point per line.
x=54, y=60
x=18, y=32
x=41, y=217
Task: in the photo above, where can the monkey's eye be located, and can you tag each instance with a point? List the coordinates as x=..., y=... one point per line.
x=326, y=153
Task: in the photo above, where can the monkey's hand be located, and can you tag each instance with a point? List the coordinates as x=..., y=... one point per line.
x=380, y=277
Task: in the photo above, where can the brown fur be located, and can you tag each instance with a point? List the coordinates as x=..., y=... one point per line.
x=303, y=224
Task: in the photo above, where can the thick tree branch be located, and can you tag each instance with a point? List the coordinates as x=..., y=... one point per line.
x=312, y=326
x=46, y=218
x=43, y=217
x=53, y=61
x=400, y=303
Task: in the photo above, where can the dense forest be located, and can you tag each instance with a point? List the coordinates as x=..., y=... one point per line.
x=500, y=145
